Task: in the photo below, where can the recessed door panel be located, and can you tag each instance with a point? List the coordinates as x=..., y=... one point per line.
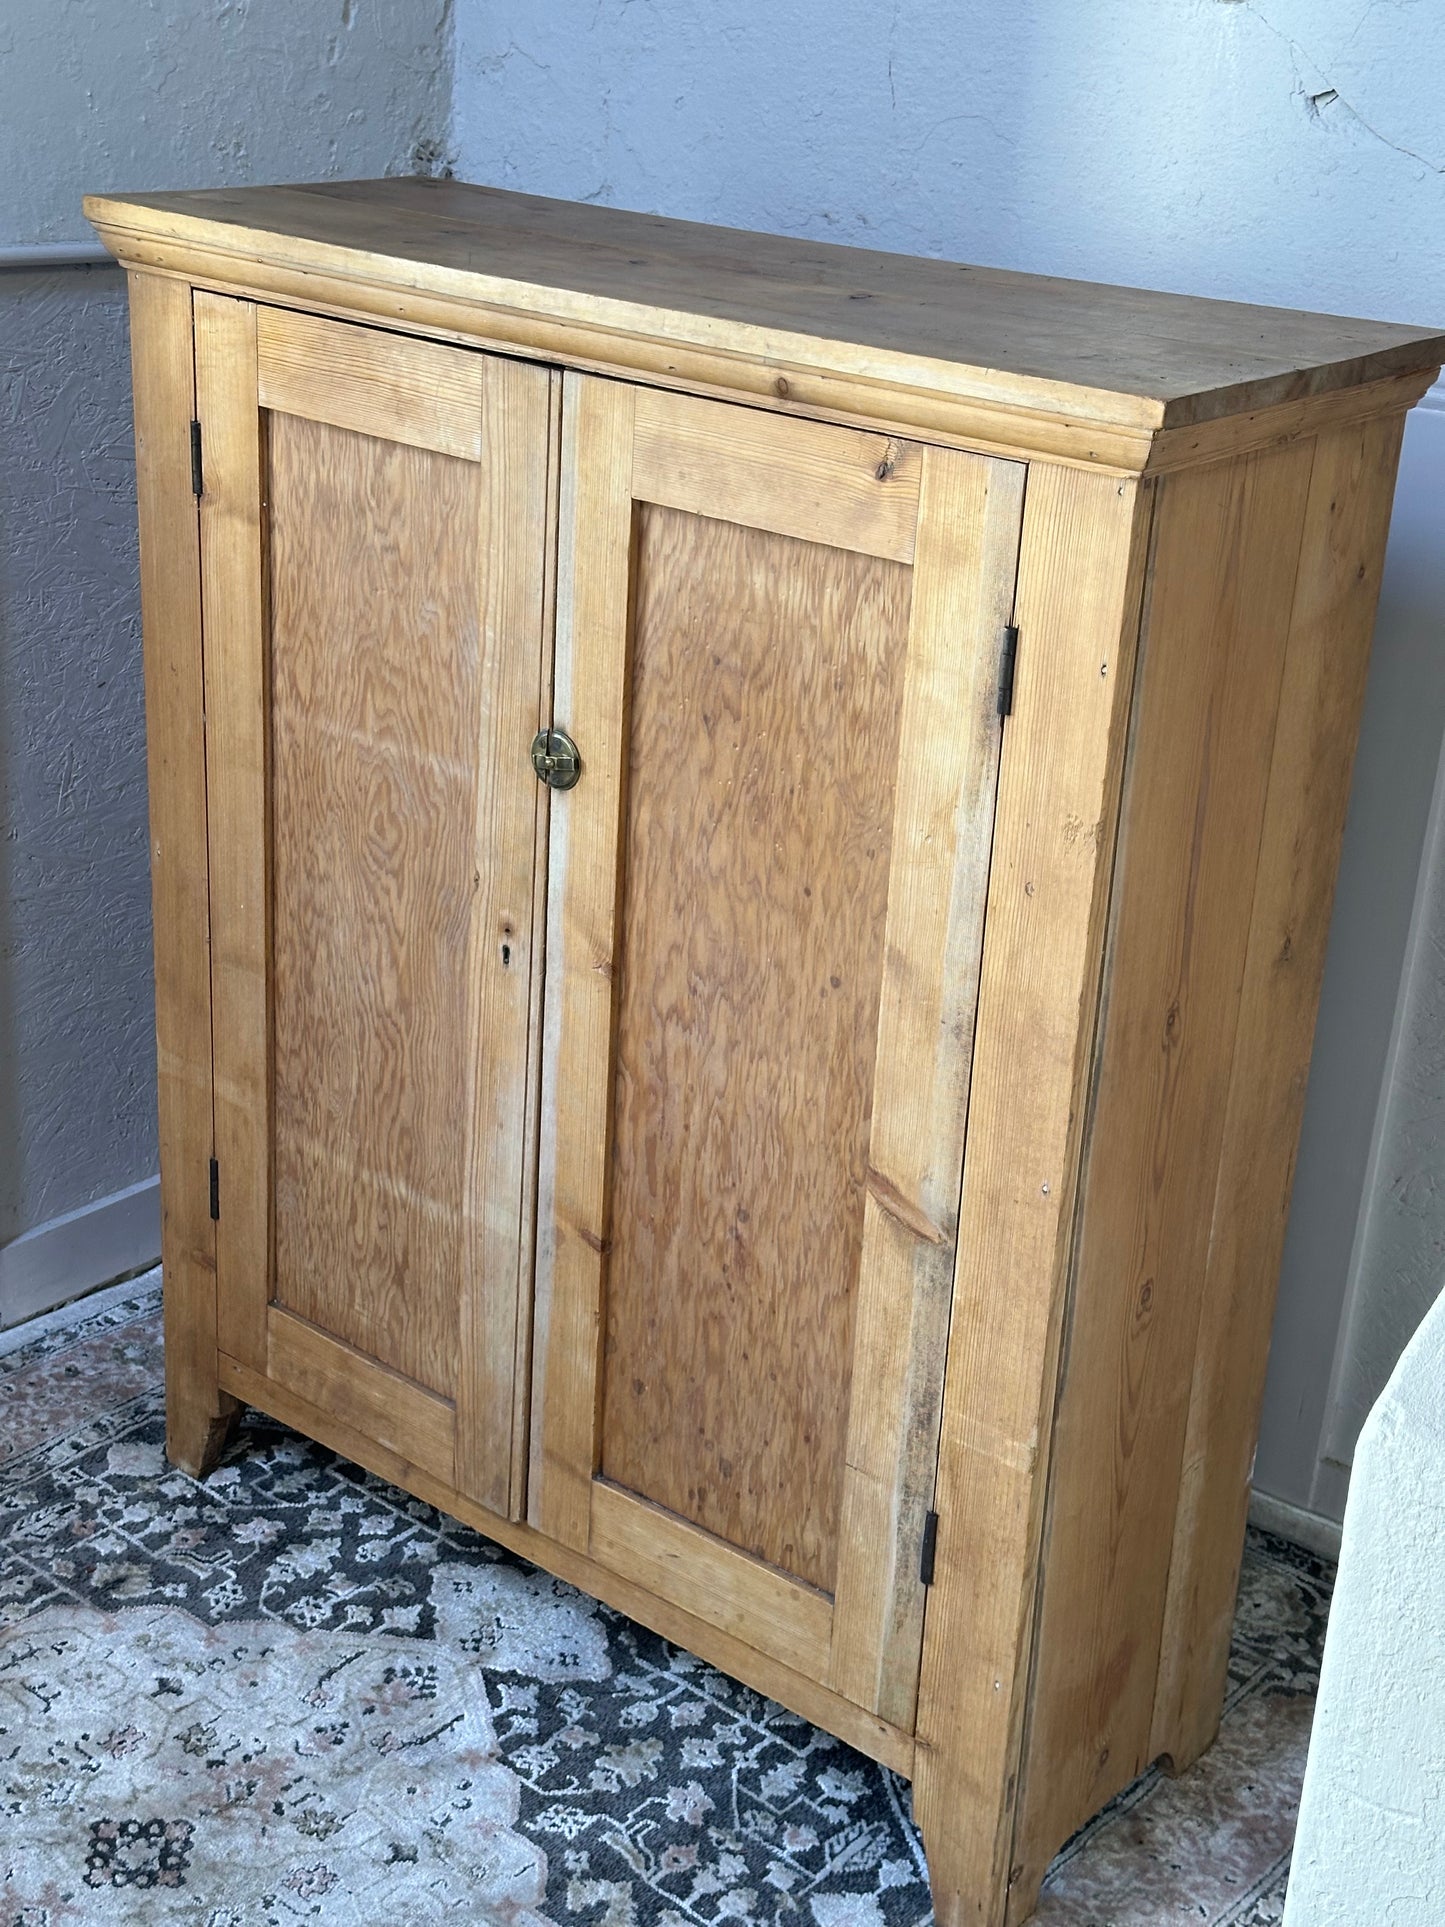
x=761, y=753
x=778, y=651
x=374, y=553
x=375, y=710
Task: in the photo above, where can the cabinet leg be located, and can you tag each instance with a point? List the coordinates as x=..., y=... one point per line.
x=1194, y=1738
x=961, y=1896
x=199, y=1423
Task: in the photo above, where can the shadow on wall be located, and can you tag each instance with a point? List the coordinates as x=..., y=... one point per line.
x=76, y=1051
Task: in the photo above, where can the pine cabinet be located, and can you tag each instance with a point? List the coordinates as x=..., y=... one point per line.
x=743, y=835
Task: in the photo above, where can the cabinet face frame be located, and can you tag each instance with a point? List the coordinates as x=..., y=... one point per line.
x=257, y=366
x=956, y=519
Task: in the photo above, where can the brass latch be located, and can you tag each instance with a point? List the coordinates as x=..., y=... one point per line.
x=555, y=758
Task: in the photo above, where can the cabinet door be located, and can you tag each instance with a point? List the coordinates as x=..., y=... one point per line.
x=778, y=649
x=374, y=541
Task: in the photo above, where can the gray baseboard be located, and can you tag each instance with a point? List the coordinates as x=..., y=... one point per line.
x=1295, y=1522
x=73, y=1254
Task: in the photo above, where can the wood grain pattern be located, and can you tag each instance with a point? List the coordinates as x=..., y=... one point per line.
x=797, y=1691
x=1327, y=655
x=804, y=479
x=532, y=1120
x=589, y=696
x=514, y=552
x=373, y=383
x=376, y=693
x=382, y=693
x=797, y=390
x=1092, y=352
x=1312, y=415
x=738, y=1594
x=963, y=591
x=765, y=702
x=1080, y=575
x=395, y=1411
x=237, y=785
x=162, y=374
x=1213, y=655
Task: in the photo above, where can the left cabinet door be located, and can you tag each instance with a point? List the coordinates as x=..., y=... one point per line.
x=375, y=561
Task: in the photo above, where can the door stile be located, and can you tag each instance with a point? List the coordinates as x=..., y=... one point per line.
x=966, y=558
x=532, y=1123
x=238, y=791
x=513, y=540
x=589, y=700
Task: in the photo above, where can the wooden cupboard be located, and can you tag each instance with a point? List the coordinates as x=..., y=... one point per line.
x=811, y=1168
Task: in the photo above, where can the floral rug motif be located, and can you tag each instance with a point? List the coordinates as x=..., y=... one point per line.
x=294, y=1693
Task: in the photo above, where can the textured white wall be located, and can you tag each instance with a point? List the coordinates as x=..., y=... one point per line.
x=1370, y=1847
x=1288, y=151
x=1189, y=144
x=115, y=94
x=120, y=94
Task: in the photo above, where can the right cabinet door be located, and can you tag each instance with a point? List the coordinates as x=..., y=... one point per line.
x=778, y=647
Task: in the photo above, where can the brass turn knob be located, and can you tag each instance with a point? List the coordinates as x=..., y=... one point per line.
x=556, y=759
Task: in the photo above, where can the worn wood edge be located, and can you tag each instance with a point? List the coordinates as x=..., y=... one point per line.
x=163, y=379
x=1304, y=828
x=765, y=1675
x=514, y=428
x=972, y=1702
x=532, y=1122
x=706, y=1576
x=970, y=523
x=594, y=587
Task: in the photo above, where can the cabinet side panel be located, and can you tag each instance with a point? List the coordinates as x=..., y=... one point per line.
x=1080, y=568
x=1227, y=539
x=162, y=369
x=1326, y=660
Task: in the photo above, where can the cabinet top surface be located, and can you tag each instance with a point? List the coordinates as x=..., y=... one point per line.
x=1123, y=354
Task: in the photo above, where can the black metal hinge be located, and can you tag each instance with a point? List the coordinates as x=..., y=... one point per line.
x=1006, y=670
x=197, y=484
x=215, y=1189
x=929, y=1551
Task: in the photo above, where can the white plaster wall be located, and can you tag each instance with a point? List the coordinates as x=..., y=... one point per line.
x=114, y=94
x=1187, y=144
x=1370, y=1846
x=1287, y=151
x=119, y=94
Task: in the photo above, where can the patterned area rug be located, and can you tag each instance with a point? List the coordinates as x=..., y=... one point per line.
x=295, y=1694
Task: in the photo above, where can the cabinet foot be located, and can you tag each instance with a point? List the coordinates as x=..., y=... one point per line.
x=197, y=1436
x=965, y=1893
x=1192, y=1742
x=955, y=1906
